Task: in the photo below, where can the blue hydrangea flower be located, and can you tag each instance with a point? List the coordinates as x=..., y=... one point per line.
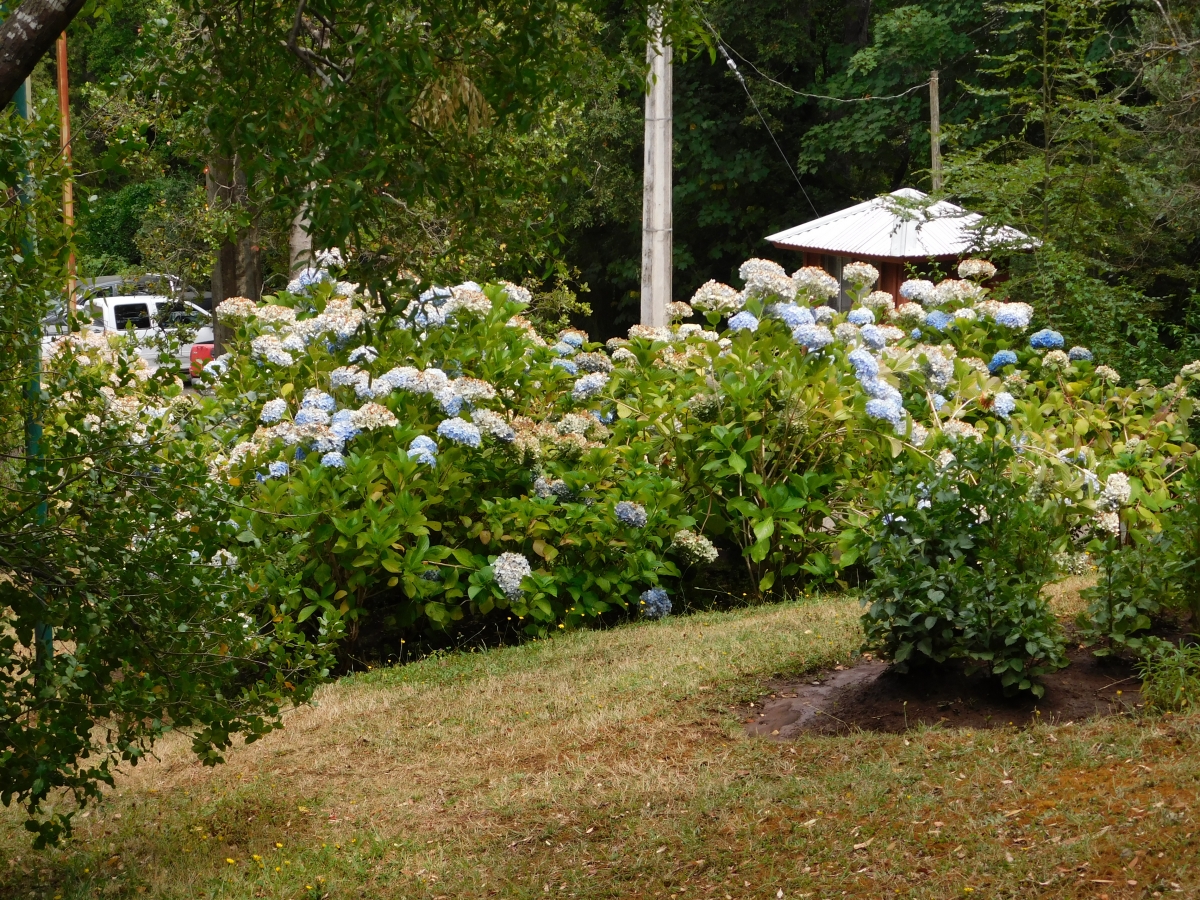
x=273, y=411
x=369, y=354
x=605, y=418
x=865, y=364
x=460, y=431
x=860, y=315
x=566, y=364
x=452, y=405
x=655, y=603
x=572, y=338
x=1077, y=354
x=333, y=460
x=631, y=514
x=915, y=334
x=316, y=399
x=813, y=337
x=872, y=336
x=279, y=469
x=300, y=454
x=1046, y=339
x=938, y=402
x=939, y=320
x=423, y=450
x=310, y=415
x=791, y=314
x=1001, y=359
x=887, y=411
x=881, y=390
x=1013, y=315
x=562, y=348
x=743, y=321
x=424, y=443
x=1004, y=404
x=589, y=385
x=342, y=426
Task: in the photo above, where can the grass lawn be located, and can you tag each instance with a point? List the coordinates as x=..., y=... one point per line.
x=610, y=764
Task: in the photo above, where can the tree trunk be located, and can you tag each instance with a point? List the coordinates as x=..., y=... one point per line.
x=300, y=244
x=237, y=271
x=26, y=36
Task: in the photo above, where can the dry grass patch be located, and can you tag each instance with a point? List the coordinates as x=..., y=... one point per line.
x=609, y=764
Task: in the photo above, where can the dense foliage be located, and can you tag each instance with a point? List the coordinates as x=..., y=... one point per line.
x=960, y=558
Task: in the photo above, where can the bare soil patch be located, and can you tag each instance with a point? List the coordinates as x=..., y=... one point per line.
x=871, y=696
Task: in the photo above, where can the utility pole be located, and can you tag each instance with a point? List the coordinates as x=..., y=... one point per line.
x=64, y=113
x=935, y=133
x=657, y=242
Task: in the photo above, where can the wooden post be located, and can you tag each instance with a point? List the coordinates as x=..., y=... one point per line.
x=64, y=112
x=657, y=237
x=935, y=133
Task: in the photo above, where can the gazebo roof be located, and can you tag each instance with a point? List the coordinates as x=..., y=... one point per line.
x=902, y=225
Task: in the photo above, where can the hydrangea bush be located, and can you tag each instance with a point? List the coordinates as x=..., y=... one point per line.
x=406, y=453
x=440, y=463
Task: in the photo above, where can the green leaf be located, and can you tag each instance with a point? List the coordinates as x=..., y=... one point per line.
x=766, y=581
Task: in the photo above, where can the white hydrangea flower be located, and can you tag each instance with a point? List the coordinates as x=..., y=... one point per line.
x=976, y=270
x=713, y=296
x=509, y=569
x=860, y=274
x=815, y=284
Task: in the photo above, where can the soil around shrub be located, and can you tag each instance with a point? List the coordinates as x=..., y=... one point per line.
x=871, y=696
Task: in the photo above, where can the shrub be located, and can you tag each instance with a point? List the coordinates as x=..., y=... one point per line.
x=960, y=553
x=400, y=454
x=1171, y=676
x=129, y=606
x=1148, y=565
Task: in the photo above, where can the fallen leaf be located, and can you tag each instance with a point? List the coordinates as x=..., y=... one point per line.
x=865, y=844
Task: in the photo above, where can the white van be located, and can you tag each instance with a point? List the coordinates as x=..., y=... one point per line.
x=152, y=315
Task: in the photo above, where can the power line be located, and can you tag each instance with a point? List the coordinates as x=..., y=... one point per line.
x=792, y=90
x=742, y=81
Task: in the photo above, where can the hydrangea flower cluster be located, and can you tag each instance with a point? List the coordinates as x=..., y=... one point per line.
x=278, y=469
x=976, y=270
x=333, y=460
x=630, y=514
x=1016, y=316
x=813, y=337
x=273, y=411
x=494, y=424
x=791, y=314
x=1046, y=339
x=270, y=348
x=1001, y=359
x=424, y=450
x=589, y=386
x=655, y=604
x=460, y=431
x=713, y=296
x=860, y=315
x=743, y=321
x=815, y=284
x=1004, y=404
x=1080, y=354
x=694, y=549
x=509, y=570
x=860, y=274
x=918, y=290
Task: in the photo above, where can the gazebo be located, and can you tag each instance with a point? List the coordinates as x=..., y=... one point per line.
x=892, y=232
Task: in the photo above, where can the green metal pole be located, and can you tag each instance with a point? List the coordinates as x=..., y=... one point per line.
x=43, y=634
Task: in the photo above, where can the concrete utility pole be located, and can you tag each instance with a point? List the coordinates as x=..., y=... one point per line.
x=935, y=133
x=657, y=242
x=64, y=112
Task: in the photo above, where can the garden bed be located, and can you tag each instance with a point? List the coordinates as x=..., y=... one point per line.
x=871, y=697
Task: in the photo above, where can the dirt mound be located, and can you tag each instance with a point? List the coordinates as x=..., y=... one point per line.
x=872, y=697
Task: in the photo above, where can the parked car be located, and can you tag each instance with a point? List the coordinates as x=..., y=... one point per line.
x=149, y=316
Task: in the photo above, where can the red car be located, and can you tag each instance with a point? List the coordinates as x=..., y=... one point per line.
x=199, y=357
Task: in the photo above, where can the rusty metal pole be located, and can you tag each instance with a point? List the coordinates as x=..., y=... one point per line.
x=64, y=112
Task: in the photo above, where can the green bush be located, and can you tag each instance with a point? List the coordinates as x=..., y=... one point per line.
x=959, y=555
x=1171, y=676
x=1148, y=566
x=474, y=440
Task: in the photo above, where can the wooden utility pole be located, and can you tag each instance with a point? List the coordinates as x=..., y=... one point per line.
x=64, y=113
x=935, y=133
x=657, y=235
